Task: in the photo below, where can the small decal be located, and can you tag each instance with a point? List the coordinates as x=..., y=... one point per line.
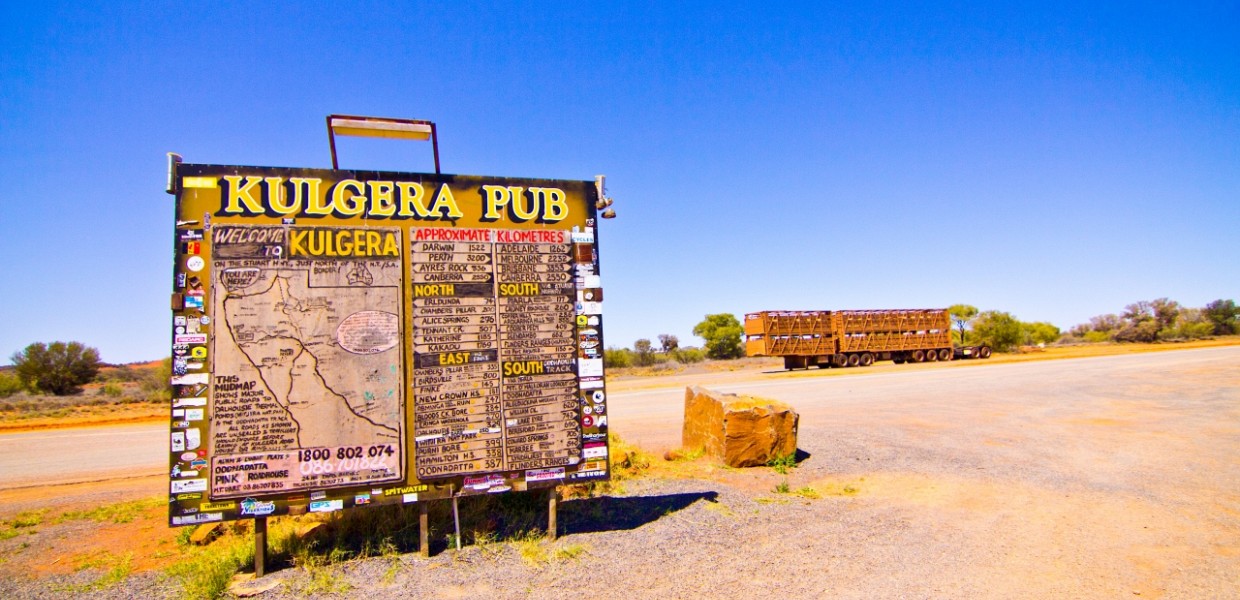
x=189, y=485
x=544, y=474
x=251, y=506
x=199, y=518
x=190, y=379
x=326, y=505
x=195, y=263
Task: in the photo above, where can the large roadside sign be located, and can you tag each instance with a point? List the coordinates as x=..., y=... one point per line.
x=347, y=338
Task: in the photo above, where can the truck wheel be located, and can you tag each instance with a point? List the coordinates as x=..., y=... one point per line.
x=854, y=360
x=919, y=356
x=898, y=359
x=983, y=352
x=945, y=354
x=867, y=359
x=932, y=355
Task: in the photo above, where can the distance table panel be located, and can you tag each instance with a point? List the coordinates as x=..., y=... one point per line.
x=494, y=333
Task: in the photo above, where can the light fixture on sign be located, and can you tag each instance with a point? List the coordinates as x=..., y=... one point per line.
x=381, y=127
x=603, y=201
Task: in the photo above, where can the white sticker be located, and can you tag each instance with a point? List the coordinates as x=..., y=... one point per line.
x=590, y=367
x=195, y=263
x=189, y=485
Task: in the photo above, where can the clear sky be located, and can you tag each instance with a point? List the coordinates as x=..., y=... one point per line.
x=1053, y=161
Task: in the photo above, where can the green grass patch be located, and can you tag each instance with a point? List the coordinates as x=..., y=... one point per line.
x=781, y=464
x=122, y=512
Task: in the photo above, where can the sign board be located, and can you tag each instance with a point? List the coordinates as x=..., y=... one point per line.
x=348, y=338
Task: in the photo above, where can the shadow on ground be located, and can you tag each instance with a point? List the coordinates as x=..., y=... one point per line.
x=593, y=515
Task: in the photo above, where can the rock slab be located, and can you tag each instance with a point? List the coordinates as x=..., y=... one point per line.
x=742, y=431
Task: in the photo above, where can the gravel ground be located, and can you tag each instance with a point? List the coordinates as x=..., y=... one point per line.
x=1116, y=482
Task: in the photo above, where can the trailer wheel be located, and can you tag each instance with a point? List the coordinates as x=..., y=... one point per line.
x=854, y=360
x=983, y=352
x=898, y=359
x=932, y=355
x=839, y=361
x=945, y=354
x=919, y=356
x=867, y=359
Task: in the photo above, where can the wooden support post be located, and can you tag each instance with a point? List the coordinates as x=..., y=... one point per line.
x=260, y=546
x=424, y=529
x=552, y=496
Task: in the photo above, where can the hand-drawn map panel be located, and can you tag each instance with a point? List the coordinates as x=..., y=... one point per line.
x=307, y=361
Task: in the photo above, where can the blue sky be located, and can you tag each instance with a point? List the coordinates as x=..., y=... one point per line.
x=1053, y=161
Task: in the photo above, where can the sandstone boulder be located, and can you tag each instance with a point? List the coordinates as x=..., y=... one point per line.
x=743, y=431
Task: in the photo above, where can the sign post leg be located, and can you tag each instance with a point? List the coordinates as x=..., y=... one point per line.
x=424, y=530
x=260, y=546
x=552, y=497
x=456, y=521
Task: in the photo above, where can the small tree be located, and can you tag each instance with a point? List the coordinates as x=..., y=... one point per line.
x=962, y=314
x=998, y=329
x=668, y=342
x=1222, y=316
x=1165, y=312
x=722, y=333
x=1040, y=333
x=645, y=353
x=58, y=368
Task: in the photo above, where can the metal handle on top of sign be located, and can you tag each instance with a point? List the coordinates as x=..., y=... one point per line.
x=401, y=129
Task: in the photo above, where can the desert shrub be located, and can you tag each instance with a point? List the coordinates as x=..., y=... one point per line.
x=1143, y=331
x=688, y=355
x=1097, y=337
x=58, y=368
x=998, y=329
x=111, y=389
x=121, y=374
x=9, y=385
x=157, y=383
x=618, y=358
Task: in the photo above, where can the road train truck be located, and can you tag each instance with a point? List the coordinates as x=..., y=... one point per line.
x=851, y=338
